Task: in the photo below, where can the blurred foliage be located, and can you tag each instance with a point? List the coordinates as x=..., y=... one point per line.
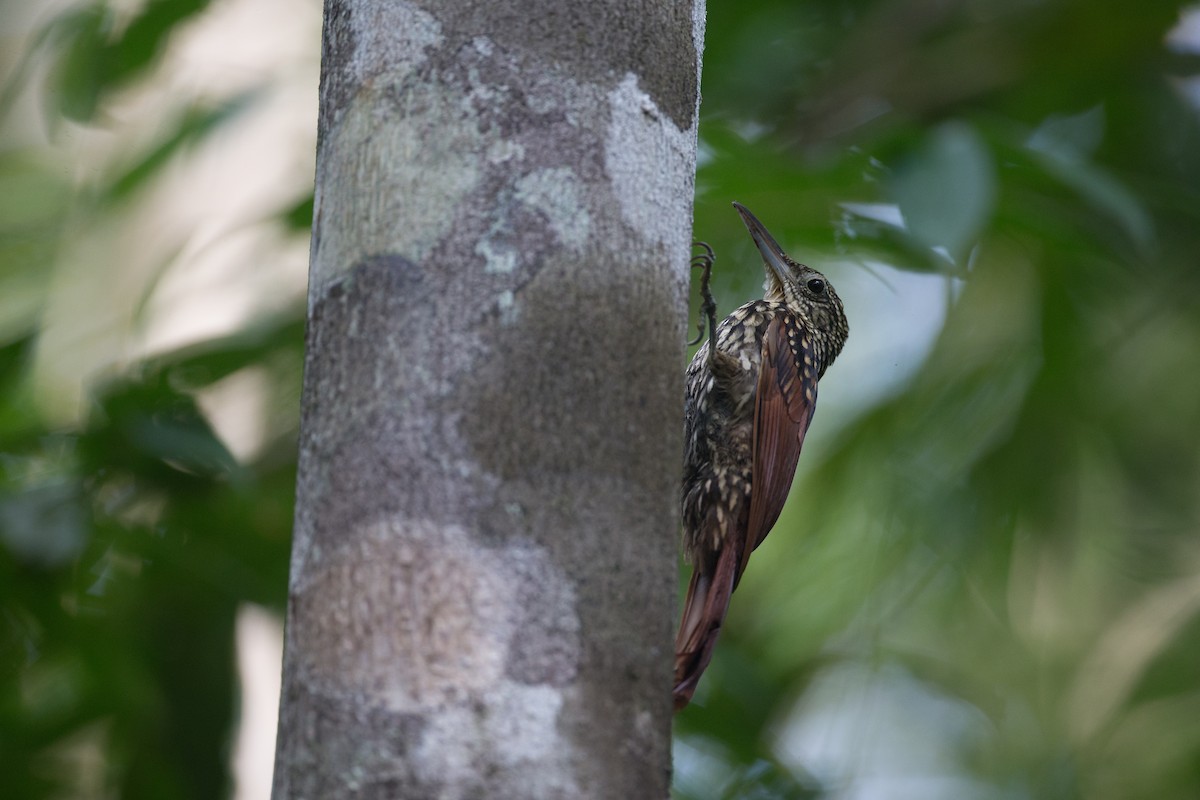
x=1010, y=536
x=100, y=53
x=128, y=544
x=986, y=584
x=129, y=538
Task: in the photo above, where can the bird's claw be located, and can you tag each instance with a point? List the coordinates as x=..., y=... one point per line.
x=708, y=308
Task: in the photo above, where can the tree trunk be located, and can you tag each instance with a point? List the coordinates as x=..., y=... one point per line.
x=483, y=574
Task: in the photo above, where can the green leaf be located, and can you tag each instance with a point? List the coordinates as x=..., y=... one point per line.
x=79, y=76
x=146, y=35
x=44, y=525
x=1061, y=146
x=1072, y=136
x=94, y=61
x=195, y=124
x=299, y=217
x=946, y=190
x=14, y=362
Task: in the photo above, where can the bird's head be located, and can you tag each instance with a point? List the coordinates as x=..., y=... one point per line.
x=806, y=292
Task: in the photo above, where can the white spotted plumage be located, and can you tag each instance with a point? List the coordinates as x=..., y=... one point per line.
x=751, y=392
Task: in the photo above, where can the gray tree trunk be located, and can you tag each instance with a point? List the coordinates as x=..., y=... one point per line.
x=483, y=575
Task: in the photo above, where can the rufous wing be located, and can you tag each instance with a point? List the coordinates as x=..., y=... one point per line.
x=783, y=408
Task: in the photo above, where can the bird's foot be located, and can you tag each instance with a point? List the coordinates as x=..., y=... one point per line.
x=708, y=308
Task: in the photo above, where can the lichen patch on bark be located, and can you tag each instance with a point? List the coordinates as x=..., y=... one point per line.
x=646, y=156
x=385, y=187
x=432, y=623
x=557, y=194
x=474, y=651
x=510, y=748
x=427, y=624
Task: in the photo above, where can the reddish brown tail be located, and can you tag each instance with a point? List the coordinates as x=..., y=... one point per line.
x=703, y=611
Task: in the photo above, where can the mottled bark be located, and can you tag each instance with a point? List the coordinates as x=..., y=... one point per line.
x=483, y=576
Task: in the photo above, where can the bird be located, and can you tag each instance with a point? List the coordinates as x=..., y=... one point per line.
x=751, y=390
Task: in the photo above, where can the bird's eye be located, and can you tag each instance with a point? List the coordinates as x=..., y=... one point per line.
x=816, y=285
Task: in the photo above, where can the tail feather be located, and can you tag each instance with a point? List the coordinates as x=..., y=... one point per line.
x=703, y=611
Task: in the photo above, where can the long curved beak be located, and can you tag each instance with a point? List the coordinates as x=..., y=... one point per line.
x=772, y=253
